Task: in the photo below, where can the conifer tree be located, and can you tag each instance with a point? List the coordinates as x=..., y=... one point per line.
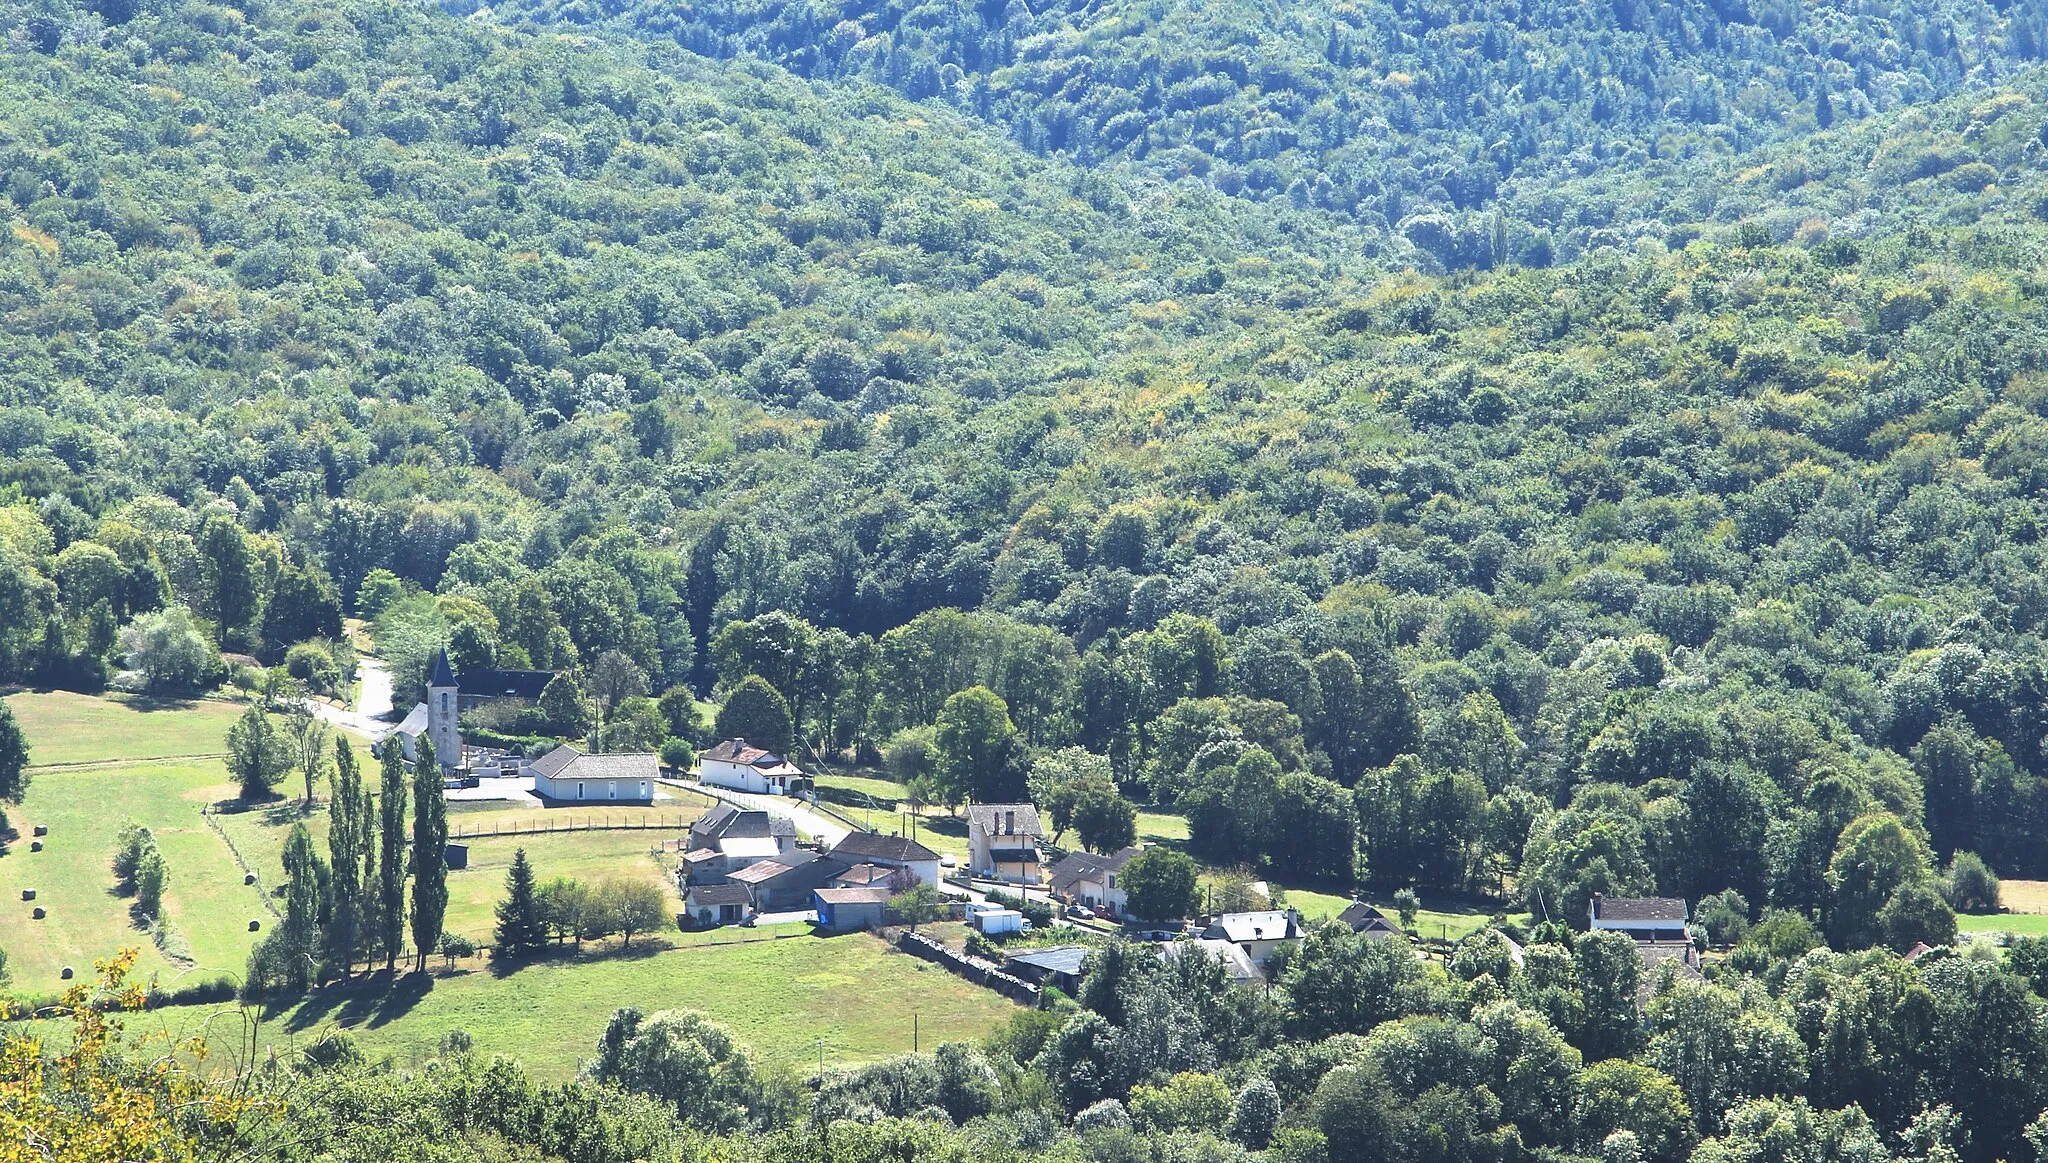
x=345, y=847
x=429, y=852
x=391, y=852
x=519, y=921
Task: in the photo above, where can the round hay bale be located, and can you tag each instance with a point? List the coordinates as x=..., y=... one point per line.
x=35, y=845
x=38, y=914
x=255, y=924
x=248, y=878
x=42, y=829
x=28, y=894
x=64, y=974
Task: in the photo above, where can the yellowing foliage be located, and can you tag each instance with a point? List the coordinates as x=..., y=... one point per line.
x=110, y=1098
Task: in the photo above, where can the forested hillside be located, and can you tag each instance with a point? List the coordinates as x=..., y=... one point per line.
x=1454, y=128
x=1513, y=454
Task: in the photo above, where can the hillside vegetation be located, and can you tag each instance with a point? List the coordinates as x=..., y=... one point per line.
x=1507, y=454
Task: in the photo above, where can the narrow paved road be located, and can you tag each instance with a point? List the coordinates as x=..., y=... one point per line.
x=826, y=829
x=371, y=717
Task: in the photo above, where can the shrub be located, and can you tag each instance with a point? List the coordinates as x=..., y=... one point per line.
x=1107, y=1115
x=1970, y=886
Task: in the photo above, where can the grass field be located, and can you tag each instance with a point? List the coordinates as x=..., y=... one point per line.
x=2018, y=924
x=2024, y=896
x=69, y=728
x=84, y=809
x=781, y=997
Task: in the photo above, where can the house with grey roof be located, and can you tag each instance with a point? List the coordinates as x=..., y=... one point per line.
x=1258, y=934
x=850, y=910
x=787, y=881
x=710, y=905
x=1363, y=918
x=1084, y=878
x=566, y=777
x=1002, y=842
x=1643, y=918
x=727, y=839
x=889, y=852
x=1236, y=962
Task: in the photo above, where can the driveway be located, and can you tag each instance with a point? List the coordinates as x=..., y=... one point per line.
x=824, y=828
x=371, y=717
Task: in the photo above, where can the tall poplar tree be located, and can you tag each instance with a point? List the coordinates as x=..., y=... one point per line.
x=429, y=852
x=391, y=853
x=345, y=845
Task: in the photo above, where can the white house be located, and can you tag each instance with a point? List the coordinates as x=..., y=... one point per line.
x=889, y=852
x=735, y=765
x=566, y=776
x=1087, y=879
x=1002, y=842
x=1258, y=934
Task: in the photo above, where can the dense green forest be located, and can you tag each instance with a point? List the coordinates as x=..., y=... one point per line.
x=1522, y=453
x=1455, y=133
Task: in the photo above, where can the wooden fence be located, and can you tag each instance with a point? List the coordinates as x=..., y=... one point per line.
x=602, y=823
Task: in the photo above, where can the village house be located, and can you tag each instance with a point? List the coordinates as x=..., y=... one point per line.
x=1363, y=918
x=709, y=905
x=1258, y=934
x=786, y=882
x=1236, y=962
x=737, y=766
x=1657, y=925
x=889, y=852
x=1083, y=878
x=726, y=839
x=568, y=777
x=1643, y=918
x=1002, y=842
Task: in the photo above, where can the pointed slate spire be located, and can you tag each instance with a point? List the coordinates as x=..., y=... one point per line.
x=444, y=675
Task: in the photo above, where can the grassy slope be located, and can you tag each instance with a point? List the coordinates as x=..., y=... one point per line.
x=778, y=996
x=205, y=900
x=69, y=728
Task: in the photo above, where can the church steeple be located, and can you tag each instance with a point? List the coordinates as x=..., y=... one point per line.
x=443, y=710
x=444, y=675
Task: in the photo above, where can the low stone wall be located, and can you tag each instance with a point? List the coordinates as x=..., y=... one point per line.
x=974, y=969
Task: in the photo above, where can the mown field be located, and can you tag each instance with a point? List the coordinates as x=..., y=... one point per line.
x=123, y=760
x=784, y=993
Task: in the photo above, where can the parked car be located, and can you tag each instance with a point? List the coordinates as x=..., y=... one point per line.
x=1081, y=912
x=948, y=861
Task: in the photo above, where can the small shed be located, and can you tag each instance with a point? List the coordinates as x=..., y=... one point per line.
x=1059, y=966
x=849, y=910
x=456, y=856
x=993, y=921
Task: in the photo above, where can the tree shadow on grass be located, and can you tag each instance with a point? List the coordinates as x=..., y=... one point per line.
x=372, y=1003
x=150, y=704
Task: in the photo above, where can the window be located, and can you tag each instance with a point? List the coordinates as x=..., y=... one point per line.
x=611, y=789
x=579, y=791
